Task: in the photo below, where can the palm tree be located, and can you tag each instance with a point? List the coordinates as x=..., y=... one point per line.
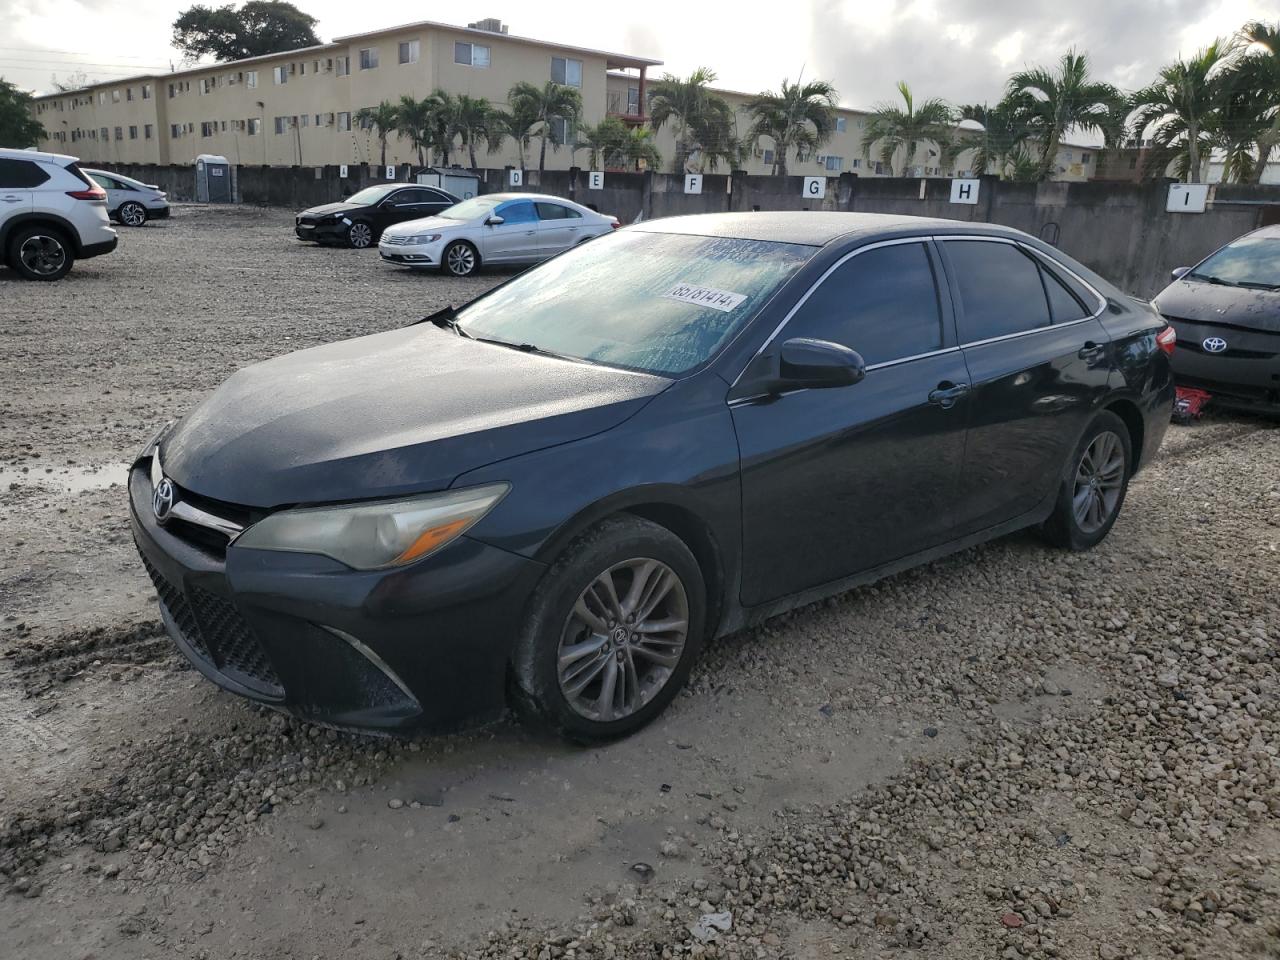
x=442, y=125
x=799, y=116
x=905, y=127
x=1003, y=132
x=703, y=120
x=604, y=142
x=639, y=147
x=413, y=121
x=950, y=143
x=474, y=122
x=1183, y=107
x=520, y=123
x=1254, y=125
x=550, y=102
x=1053, y=103
x=385, y=117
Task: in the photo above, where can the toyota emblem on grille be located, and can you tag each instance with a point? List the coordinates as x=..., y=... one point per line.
x=162, y=500
x=1214, y=344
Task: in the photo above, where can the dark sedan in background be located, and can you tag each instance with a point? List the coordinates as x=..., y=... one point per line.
x=1226, y=310
x=554, y=495
x=359, y=220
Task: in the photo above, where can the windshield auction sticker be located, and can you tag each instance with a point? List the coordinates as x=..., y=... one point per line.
x=723, y=300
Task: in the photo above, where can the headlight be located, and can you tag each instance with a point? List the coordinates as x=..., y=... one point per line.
x=423, y=238
x=371, y=536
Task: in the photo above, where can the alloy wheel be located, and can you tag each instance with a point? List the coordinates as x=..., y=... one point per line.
x=623, y=639
x=42, y=255
x=133, y=215
x=1099, y=481
x=461, y=259
x=360, y=235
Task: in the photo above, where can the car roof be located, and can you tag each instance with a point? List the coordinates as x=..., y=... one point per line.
x=1269, y=232
x=10, y=153
x=93, y=171
x=815, y=228
x=515, y=195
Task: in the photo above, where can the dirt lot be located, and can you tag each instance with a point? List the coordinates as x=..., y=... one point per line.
x=1015, y=752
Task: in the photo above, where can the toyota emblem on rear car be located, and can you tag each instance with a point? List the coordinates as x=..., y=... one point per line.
x=1214, y=344
x=162, y=500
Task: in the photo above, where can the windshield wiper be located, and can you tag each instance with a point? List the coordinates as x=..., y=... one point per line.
x=1257, y=285
x=1215, y=280
x=522, y=347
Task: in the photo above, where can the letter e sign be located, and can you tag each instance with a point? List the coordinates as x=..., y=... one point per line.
x=595, y=180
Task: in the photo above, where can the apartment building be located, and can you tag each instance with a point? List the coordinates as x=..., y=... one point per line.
x=300, y=107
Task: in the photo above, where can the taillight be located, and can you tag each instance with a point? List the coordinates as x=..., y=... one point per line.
x=1167, y=339
x=614, y=223
x=97, y=193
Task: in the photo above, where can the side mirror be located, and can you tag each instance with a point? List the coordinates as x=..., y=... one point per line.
x=1180, y=272
x=819, y=363
x=495, y=221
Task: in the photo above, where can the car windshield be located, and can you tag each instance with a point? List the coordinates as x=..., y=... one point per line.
x=655, y=302
x=1248, y=262
x=468, y=209
x=371, y=195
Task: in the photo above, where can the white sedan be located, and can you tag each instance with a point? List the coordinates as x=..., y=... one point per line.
x=492, y=229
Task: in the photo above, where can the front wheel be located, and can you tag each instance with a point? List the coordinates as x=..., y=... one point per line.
x=360, y=235
x=613, y=631
x=460, y=259
x=1093, y=485
x=132, y=214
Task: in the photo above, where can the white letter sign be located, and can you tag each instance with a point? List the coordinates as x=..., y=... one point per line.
x=516, y=179
x=342, y=171
x=815, y=188
x=693, y=183
x=1187, y=197
x=391, y=172
x=965, y=191
x=595, y=180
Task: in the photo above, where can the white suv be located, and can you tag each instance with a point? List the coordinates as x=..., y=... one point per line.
x=51, y=214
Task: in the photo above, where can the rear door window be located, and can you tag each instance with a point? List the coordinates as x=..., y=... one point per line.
x=882, y=303
x=21, y=174
x=1000, y=290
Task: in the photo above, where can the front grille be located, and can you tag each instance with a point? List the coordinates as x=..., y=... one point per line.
x=175, y=604
x=231, y=639
x=395, y=241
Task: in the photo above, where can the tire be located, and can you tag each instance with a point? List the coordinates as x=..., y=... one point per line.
x=132, y=214
x=573, y=700
x=360, y=235
x=1094, y=483
x=460, y=259
x=40, y=253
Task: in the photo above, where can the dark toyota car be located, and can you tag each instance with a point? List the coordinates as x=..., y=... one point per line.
x=554, y=495
x=1226, y=310
x=359, y=220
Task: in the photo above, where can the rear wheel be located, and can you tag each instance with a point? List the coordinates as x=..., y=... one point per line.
x=1093, y=485
x=132, y=214
x=613, y=632
x=360, y=235
x=40, y=253
x=461, y=259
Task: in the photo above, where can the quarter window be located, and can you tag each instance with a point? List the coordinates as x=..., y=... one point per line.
x=554, y=211
x=1000, y=289
x=882, y=303
x=1063, y=305
x=20, y=174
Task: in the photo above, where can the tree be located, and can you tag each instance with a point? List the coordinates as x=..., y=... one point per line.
x=519, y=123
x=799, y=117
x=950, y=143
x=475, y=122
x=413, y=122
x=605, y=142
x=639, y=147
x=905, y=127
x=76, y=80
x=385, y=117
x=1182, y=109
x=17, y=127
x=257, y=28
x=1004, y=133
x=703, y=120
x=548, y=103
x=1053, y=103
x=442, y=125
x=1252, y=112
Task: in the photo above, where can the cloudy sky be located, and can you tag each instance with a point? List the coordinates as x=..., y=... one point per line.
x=958, y=49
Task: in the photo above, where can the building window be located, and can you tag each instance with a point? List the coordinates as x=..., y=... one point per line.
x=146, y=91
x=255, y=126
x=102, y=95
x=133, y=133
x=171, y=91
x=1133, y=163
x=282, y=124
x=471, y=54
x=768, y=158
x=840, y=124
x=343, y=66
x=207, y=128
x=115, y=96
x=106, y=134
x=834, y=164
x=344, y=121
x=409, y=51
x=369, y=58
x=855, y=163
x=633, y=101
x=568, y=72
x=560, y=132
x=280, y=74
x=302, y=68
x=128, y=93
x=119, y=133
x=306, y=120
x=147, y=131
x=251, y=78
x=175, y=130
x=1084, y=156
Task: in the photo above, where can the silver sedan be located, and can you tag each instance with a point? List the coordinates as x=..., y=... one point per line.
x=496, y=228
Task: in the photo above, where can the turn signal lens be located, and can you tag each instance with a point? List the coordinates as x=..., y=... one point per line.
x=1167, y=339
x=374, y=536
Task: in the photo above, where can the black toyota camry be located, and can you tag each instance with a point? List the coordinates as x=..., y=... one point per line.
x=1226, y=310
x=553, y=496
x=359, y=220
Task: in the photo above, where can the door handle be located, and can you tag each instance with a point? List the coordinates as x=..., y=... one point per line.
x=947, y=393
x=11, y=199
x=530, y=233
x=1091, y=351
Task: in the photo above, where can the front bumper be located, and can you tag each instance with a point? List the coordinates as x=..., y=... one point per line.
x=410, y=255
x=424, y=645
x=329, y=231
x=160, y=212
x=1245, y=375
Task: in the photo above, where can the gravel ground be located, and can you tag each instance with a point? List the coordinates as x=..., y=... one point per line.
x=1014, y=752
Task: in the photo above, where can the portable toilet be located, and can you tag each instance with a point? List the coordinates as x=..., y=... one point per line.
x=213, y=179
x=461, y=183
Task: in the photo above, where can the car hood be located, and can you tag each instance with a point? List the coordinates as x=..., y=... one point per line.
x=1202, y=302
x=327, y=208
x=387, y=415
x=408, y=227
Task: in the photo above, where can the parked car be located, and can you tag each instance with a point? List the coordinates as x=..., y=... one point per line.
x=129, y=201
x=51, y=214
x=359, y=220
x=1226, y=310
x=555, y=494
x=497, y=228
